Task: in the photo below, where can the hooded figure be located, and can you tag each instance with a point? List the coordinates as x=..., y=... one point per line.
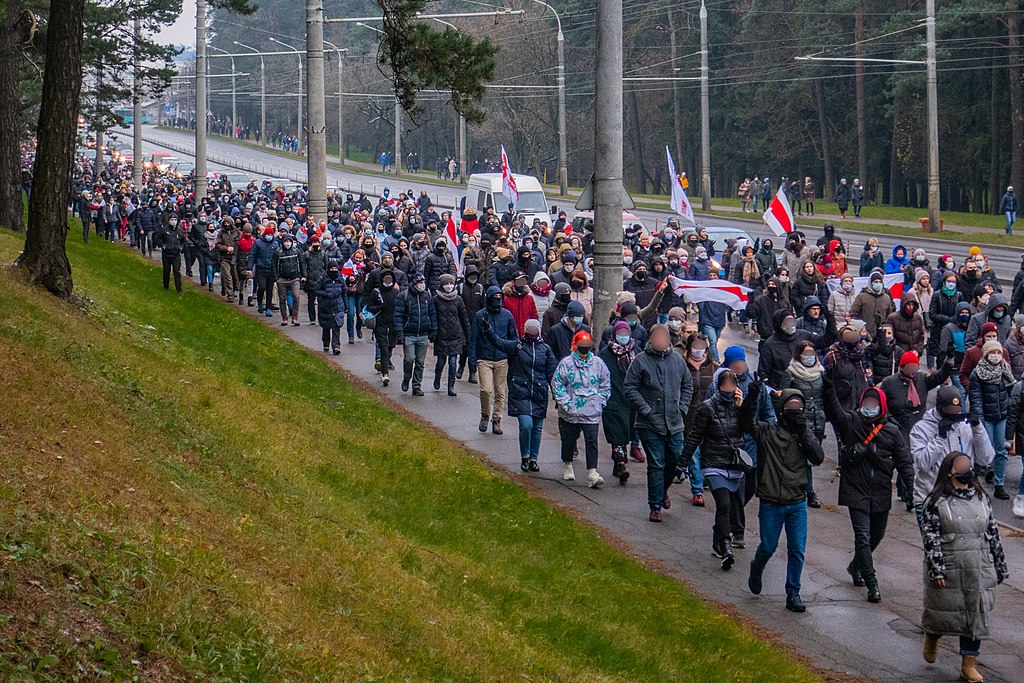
x=997, y=311
x=908, y=324
x=898, y=261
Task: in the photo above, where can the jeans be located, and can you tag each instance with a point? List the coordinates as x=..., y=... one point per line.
x=493, y=378
x=1011, y=218
x=696, y=474
x=712, y=334
x=728, y=507
x=663, y=451
x=569, y=434
x=414, y=357
x=868, y=532
x=531, y=429
x=997, y=437
x=773, y=517
x=353, y=321
x=453, y=366
x=755, y=203
x=110, y=231
x=331, y=337
x=968, y=647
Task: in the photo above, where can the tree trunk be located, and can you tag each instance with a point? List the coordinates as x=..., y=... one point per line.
x=44, y=255
x=993, y=140
x=1016, y=104
x=11, y=206
x=677, y=115
x=640, y=184
x=862, y=143
x=826, y=144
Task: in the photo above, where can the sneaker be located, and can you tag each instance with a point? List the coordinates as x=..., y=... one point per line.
x=1001, y=493
x=795, y=604
x=327, y=349
x=405, y=383
x=524, y=464
x=417, y=391
x=451, y=391
x=655, y=516
x=594, y=479
x=534, y=467
x=698, y=500
x=754, y=580
x=337, y=352
x=728, y=560
x=739, y=542
x=269, y=313
x=483, y=423
x=295, y=322
x=1018, y=505
x=567, y=473
x=385, y=380
x=284, y=323
x=376, y=365
x=717, y=549
x=637, y=454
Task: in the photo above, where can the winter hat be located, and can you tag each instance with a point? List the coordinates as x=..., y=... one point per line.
x=575, y=308
x=909, y=358
x=562, y=288
x=677, y=312
x=531, y=325
x=701, y=252
x=628, y=308
x=418, y=278
x=921, y=274
x=974, y=251
x=991, y=347
x=314, y=240
x=733, y=354
x=502, y=253
x=623, y=297
x=621, y=326
x=569, y=256
x=581, y=337
x=988, y=327
x=845, y=277
x=447, y=279
x=876, y=276
x=270, y=230
x=948, y=396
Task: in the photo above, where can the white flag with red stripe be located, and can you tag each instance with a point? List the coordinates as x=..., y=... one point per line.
x=893, y=282
x=680, y=202
x=508, y=181
x=724, y=292
x=779, y=215
x=450, y=239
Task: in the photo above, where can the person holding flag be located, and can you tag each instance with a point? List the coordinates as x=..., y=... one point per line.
x=779, y=215
x=508, y=182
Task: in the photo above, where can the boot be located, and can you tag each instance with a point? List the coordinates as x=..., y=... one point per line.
x=931, y=649
x=727, y=559
x=472, y=377
x=969, y=670
x=637, y=454
x=874, y=595
x=496, y=427
x=484, y=419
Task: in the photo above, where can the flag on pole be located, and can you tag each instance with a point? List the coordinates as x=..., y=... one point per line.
x=680, y=202
x=893, y=282
x=450, y=239
x=508, y=181
x=722, y=291
x=779, y=215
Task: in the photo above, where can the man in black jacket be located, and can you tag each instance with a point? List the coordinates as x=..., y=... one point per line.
x=171, y=240
x=472, y=293
x=777, y=351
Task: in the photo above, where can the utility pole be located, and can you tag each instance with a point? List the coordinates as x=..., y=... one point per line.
x=934, y=219
x=263, y=94
x=341, y=103
x=607, y=158
x=200, y=100
x=316, y=149
x=398, y=136
x=705, y=120
x=463, y=152
x=563, y=153
x=137, y=104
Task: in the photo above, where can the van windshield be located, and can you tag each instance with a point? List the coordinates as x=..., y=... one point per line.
x=529, y=202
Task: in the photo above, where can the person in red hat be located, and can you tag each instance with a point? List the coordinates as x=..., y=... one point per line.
x=582, y=386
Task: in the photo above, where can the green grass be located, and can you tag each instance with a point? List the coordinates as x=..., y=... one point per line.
x=188, y=494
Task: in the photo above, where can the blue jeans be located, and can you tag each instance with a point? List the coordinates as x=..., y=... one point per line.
x=414, y=357
x=530, y=432
x=712, y=333
x=997, y=436
x=755, y=203
x=1011, y=218
x=773, y=518
x=663, y=450
x=955, y=378
x=696, y=475
x=354, y=310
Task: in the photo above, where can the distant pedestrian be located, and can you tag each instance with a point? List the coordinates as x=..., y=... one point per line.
x=1008, y=207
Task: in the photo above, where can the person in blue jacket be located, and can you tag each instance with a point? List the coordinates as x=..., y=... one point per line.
x=899, y=260
x=261, y=269
x=488, y=362
x=415, y=324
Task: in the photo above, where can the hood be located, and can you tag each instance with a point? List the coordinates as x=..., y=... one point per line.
x=832, y=246
x=996, y=300
x=962, y=306
x=492, y=291
x=541, y=275
x=777, y=318
x=767, y=245
x=882, y=403
x=523, y=251
x=811, y=300
x=788, y=394
x=472, y=270
x=905, y=257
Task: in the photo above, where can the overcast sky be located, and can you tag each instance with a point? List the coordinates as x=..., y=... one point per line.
x=183, y=31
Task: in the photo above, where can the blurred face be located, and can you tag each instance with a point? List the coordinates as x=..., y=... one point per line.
x=991, y=336
x=660, y=339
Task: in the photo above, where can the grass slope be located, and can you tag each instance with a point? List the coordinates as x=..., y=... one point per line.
x=188, y=495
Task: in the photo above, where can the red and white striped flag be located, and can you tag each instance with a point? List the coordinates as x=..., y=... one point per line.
x=508, y=181
x=680, y=202
x=722, y=291
x=450, y=239
x=779, y=215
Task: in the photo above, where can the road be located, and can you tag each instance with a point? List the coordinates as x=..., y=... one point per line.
x=1006, y=261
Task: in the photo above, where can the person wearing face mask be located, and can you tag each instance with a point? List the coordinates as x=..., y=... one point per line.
x=996, y=312
x=438, y=262
x=518, y=301
x=767, y=261
x=503, y=268
x=884, y=353
x=525, y=262
x=700, y=265
x=472, y=295
x=329, y=291
x=762, y=308
x=874, y=304
x=777, y=351
x=171, y=240
x=381, y=304
x=261, y=269
x=785, y=448
x=989, y=391
x=488, y=361
x=952, y=344
x=581, y=387
x=841, y=300
x=969, y=279
x=871, y=448
x=619, y=416
x=846, y=366
x=416, y=325
x=908, y=324
x=540, y=290
x=313, y=264
x=559, y=336
x=287, y=273
x=659, y=387
x=628, y=313
x=973, y=354
x=964, y=562
x=676, y=319
x=693, y=349
x=942, y=309
x=553, y=315
x=806, y=374
x=243, y=246
x=531, y=369
x=225, y=249
x=715, y=430
x=562, y=269
x=452, y=331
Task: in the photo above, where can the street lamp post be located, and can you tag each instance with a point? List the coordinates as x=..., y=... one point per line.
x=137, y=106
x=263, y=93
x=316, y=156
x=234, y=109
x=200, y=100
x=460, y=128
x=341, y=102
x=934, y=224
x=299, y=99
x=705, y=116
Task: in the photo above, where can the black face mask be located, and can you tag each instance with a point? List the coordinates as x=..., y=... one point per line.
x=333, y=274
x=494, y=304
x=563, y=298
x=641, y=275
x=964, y=477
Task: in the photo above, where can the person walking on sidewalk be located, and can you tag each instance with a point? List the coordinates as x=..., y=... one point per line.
x=1008, y=207
x=381, y=305
x=964, y=562
x=702, y=369
x=582, y=387
x=329, y=291
x=287, y=273
x=659, y=386
x=488, y=362
x=452, y=331
x=416, y=325
x=989, y=392
x=784, y=451
x=619, y=417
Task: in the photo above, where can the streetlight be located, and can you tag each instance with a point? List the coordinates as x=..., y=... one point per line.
x=299, y=122
x=398, y=116
x=341, y=112
x=263, y=92
x=563, y=162
x=234, y=110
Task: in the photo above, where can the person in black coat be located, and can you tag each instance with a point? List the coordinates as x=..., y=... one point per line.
x=559, y=337
x=472, y=293
x=871, y=447
x=777, y=350
x=438, y=262
x=452, y=331
x=329, y=291
x=761, y=309
x=531, y=367
x=619, y=416
x=381, y=303
x=171, y=241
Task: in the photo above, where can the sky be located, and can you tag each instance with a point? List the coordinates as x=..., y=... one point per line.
x=182, y=31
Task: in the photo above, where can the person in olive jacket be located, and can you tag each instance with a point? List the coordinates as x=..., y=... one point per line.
x=659, y=386
x=329, y=291
x=871, y=447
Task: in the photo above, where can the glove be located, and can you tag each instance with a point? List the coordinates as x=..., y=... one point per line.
x=401, y=340
x=799, y=422
x=485, y=324
x=974, y=420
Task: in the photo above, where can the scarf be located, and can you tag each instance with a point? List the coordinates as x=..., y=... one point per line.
x=540, y=291
x=750, y=269
x=447, y=296
x=913, y=398
x=624, y=354
x=803, y=373
x=990, y=374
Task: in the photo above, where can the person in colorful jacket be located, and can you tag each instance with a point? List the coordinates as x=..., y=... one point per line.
x=582, y=386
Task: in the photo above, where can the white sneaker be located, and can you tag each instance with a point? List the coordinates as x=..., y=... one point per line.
x=567, y=473
x=594, y=479
x=1018, y=505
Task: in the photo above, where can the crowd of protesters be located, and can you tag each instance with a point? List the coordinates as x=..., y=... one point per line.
x=515, y=319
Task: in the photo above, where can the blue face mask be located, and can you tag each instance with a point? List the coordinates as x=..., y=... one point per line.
x=870, y=412
x=997, y=314
x=577, y=319
x=622, y=339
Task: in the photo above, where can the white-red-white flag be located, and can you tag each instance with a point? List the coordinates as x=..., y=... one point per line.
x=680, y=202
x=508, y=181
x=779, y=215
x=724, y=292
x=452, y=242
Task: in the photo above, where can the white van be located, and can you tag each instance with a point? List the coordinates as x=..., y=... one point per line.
x=484, y=189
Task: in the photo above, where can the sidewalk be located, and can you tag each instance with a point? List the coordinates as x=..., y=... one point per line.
x=841, y=632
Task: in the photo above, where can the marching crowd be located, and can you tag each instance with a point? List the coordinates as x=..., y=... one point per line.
x=839, y=357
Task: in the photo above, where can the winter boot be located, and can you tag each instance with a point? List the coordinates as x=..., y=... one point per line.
x=969, y=670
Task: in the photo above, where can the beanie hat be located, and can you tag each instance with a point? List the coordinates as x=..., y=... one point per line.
x=621, y=326
x=677, y=312
x=974, y=251
x=530, y=325
x=581, y=337
x=447, y=279
x=314, y=240
x=988, y=327
x=733, y=354
x=623, y=297
x=876, y=276
x=909, y=358
x=628, y=308
x=921, y=274
x=270, y=230
x=948, y=395
x=562, y=288
x=991, y=347
x=575, y=308
x=569, y=256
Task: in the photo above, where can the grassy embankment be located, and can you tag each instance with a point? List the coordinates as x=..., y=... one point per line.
x=186, y=493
